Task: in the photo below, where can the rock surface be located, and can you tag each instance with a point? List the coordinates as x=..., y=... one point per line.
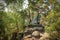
x=36, y=33
x=44, y=36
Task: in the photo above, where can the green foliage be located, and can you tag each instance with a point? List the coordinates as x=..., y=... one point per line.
x=2, y=23
x=52, y=20
x=50, y=29
x=10, y=21
x=13, y=1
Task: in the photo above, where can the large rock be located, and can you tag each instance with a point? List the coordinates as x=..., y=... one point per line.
x=36, y=33
x=45, y=36
x=41, y=34
x=27, y=39
x=33, y=38
x=28, y=36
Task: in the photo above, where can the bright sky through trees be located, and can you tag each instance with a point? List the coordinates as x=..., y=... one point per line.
x=25, y=4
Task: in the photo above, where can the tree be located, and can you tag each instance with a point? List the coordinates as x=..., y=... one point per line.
x=52, y=18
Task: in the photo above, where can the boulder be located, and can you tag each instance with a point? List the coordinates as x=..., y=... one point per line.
x=28, y=36
x=45, y=36
x=36, y=33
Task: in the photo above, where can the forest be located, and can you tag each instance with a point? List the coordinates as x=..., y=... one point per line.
x=29, y=19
